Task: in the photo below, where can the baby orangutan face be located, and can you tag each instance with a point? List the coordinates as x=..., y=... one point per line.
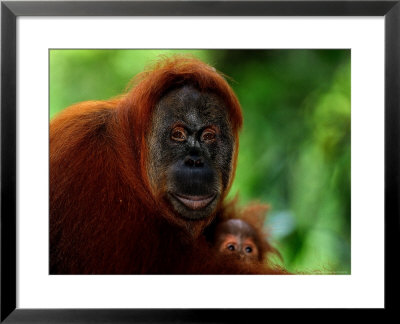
x=237, y=238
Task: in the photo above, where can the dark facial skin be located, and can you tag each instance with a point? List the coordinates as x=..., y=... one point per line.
x=191, y=146
x=237, y=238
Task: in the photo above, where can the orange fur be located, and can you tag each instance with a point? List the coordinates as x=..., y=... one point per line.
x=104, y=217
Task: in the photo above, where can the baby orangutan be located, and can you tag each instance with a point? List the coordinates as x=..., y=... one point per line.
x=236, y=237
x=242, y=235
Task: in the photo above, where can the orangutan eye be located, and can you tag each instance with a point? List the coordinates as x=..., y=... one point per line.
x=231, y=247
x=208, y=135
x=248, y=249
x=178, y=134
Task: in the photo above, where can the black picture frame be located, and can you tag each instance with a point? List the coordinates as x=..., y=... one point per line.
x=10, y=10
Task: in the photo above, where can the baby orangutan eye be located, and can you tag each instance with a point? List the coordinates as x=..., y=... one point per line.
x=231, y=247
x=178, y=134
x=248, y=249
x=208, y=135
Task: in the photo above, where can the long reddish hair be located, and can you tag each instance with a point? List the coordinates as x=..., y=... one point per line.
x=104, y=217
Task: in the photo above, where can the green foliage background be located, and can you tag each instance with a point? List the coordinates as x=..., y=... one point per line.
x=294, y=148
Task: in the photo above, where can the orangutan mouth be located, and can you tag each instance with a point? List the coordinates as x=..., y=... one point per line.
x=195, y=202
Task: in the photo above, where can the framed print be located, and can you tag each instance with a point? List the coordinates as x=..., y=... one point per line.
x=127, y=207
